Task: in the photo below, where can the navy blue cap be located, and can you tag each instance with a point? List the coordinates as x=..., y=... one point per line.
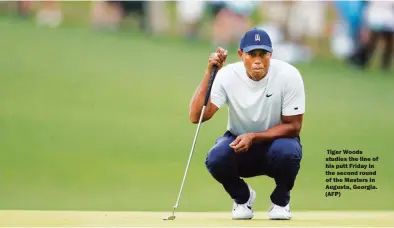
x=255, y=39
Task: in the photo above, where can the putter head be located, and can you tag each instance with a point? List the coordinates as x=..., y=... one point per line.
x=172, y=217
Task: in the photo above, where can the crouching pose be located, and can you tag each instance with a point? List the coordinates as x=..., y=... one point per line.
x=266, y=102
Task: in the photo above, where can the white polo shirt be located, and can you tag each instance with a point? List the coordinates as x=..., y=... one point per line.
x=255, y=106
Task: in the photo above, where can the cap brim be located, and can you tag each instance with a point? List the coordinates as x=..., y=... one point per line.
x=255, y=47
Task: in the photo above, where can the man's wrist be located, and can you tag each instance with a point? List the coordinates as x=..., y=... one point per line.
x=258, y=137
x=254, y=136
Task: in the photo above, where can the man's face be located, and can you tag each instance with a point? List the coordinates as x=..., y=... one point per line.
x=256, y=62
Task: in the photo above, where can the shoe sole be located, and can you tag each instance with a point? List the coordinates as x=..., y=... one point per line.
x=280, y=218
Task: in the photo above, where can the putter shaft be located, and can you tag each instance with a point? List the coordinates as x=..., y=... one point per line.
x=210, y=82
x=188, y=162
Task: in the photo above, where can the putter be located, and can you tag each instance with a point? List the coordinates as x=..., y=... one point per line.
x=210, y=82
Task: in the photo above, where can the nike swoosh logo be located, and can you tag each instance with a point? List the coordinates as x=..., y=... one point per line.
x=268, y=95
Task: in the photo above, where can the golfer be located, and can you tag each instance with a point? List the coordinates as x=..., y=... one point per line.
x=266, y=102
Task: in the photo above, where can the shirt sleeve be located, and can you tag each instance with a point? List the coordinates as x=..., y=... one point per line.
x=294, y=96
x=218, y=94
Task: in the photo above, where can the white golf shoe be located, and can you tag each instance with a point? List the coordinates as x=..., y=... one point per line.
x=279, y=213
x=244, y=211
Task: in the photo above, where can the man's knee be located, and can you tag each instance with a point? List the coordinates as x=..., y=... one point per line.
x=286, y=150
x=219, y=155
x=220, y=158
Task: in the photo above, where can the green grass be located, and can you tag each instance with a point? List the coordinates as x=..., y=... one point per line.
x=96, y=121
x=205, y=219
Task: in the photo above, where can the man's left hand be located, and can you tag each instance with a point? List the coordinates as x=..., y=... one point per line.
x=242, y=143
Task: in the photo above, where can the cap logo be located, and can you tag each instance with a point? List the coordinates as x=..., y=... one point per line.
x=257, y=37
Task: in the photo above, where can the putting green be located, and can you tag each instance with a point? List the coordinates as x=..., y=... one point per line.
x=189, y=219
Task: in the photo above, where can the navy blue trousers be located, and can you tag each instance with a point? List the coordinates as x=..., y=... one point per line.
x=279, y=160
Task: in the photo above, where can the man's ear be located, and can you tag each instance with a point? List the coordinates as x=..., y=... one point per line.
x=240, y=53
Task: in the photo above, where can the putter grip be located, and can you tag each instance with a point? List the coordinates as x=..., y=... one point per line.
x=210, y=83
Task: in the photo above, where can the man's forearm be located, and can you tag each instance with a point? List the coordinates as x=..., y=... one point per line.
x=198, y=98
x=284, y=130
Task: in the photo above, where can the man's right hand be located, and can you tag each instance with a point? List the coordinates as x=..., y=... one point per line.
x=218, y=58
